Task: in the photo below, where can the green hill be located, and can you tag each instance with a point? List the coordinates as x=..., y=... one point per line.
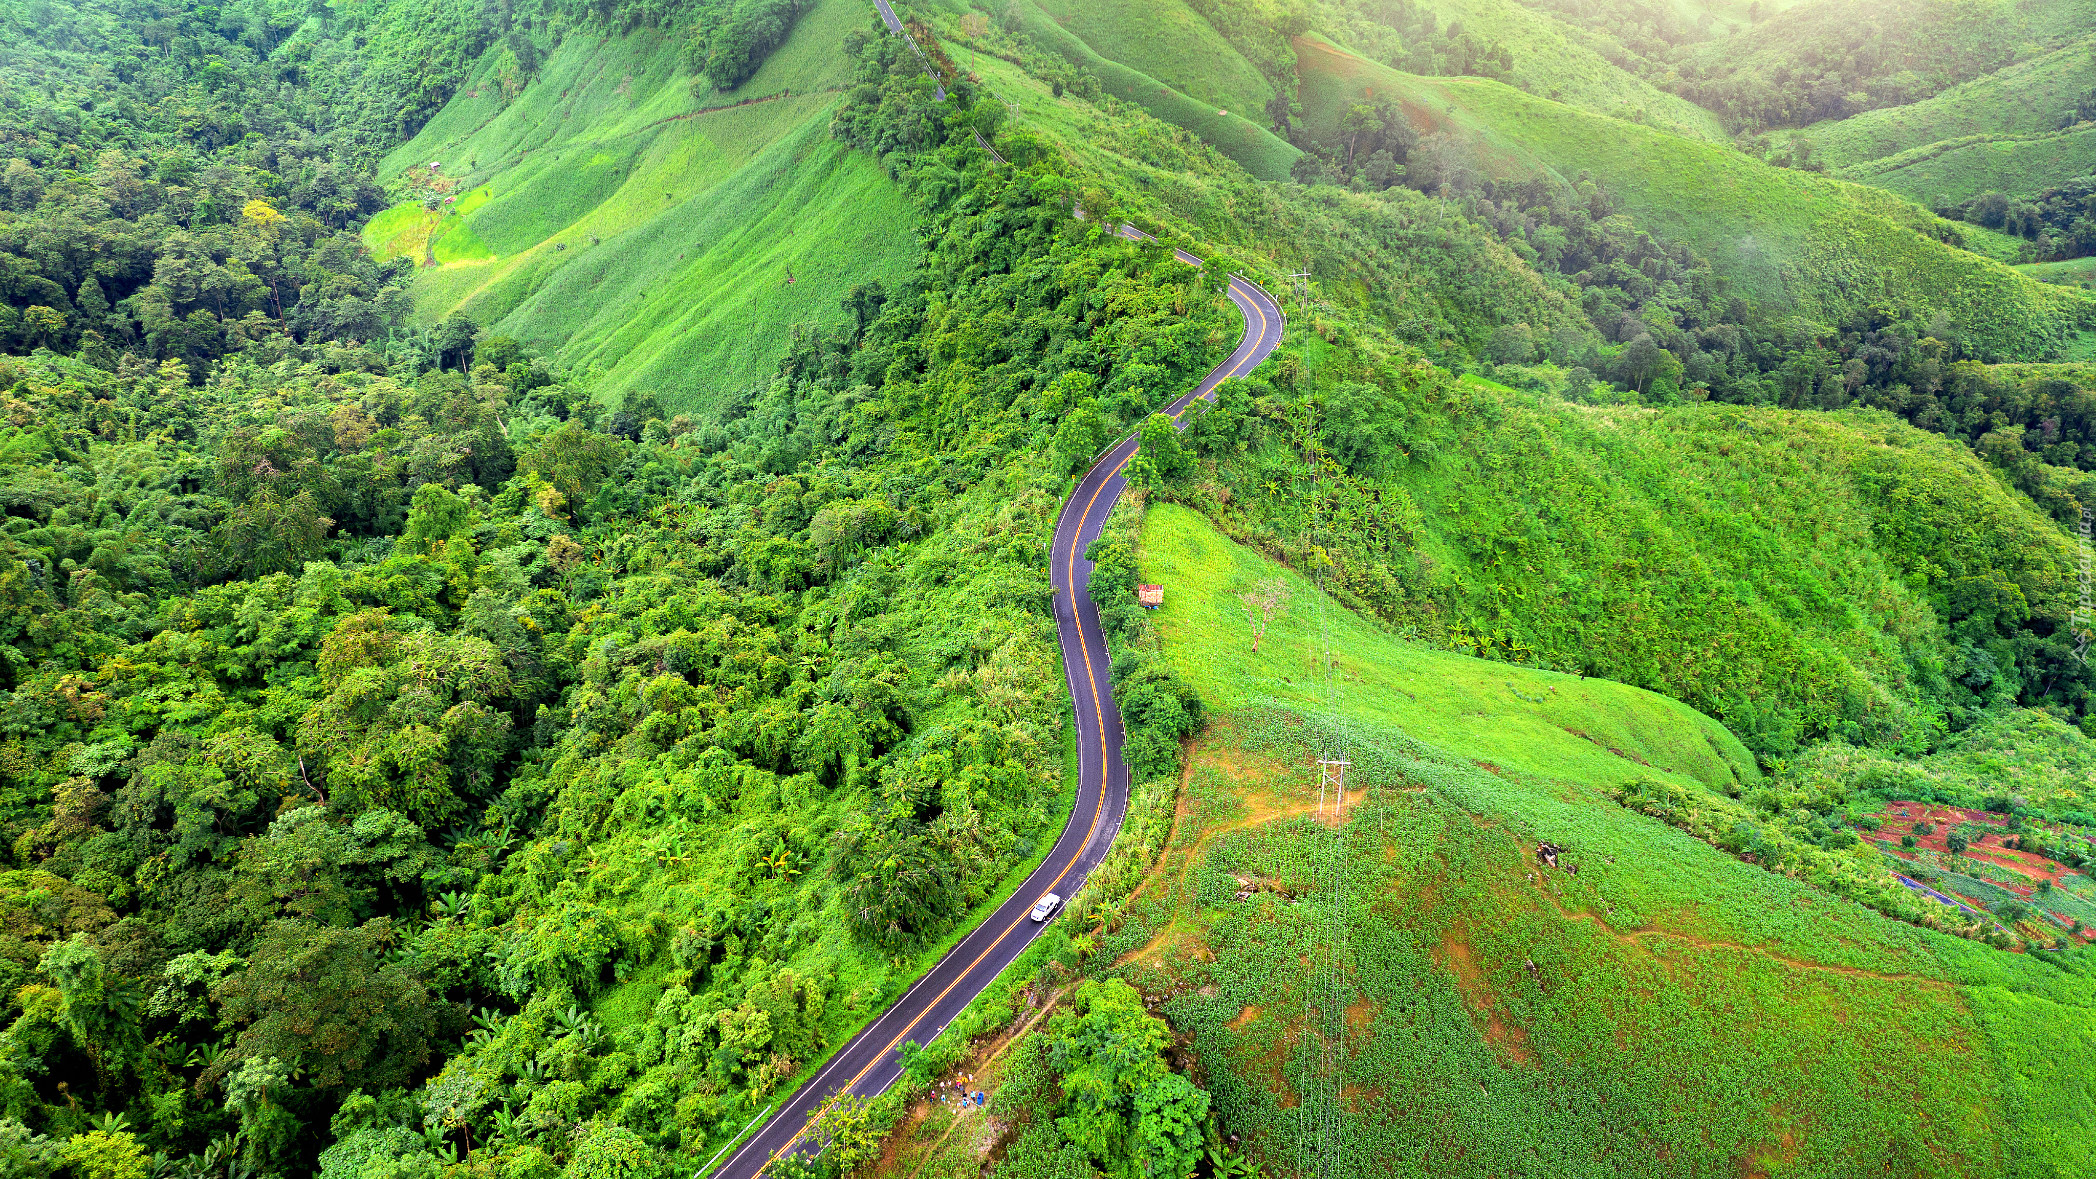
x=1439, y=279
x=1126, y=37
x=1807, y=244
x=1730, y=16
x=1827, y=59
x=1957, y=170
x=2001, y=132
x=1170, y=42
x=1577, y=1015
x=2078, y=272
x=640, y=232
x=2023, y=100
x=1545, y=723
x=1569, y=64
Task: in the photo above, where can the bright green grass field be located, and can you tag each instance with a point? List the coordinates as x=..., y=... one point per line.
x=1685, y=1013
x=1730, y=16
x=2002, y=247
x=1551, y=59
x=2075, y=272
x=1809, y=244
x=1535, y=722
x=1240, y=133
x=645, y=236
x=1170, y=42
x=1958, y=170
x=1940, y=43
x=2025, y=99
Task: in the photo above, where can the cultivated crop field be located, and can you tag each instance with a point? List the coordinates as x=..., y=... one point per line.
x=1664, y=1009
x=1976, y=857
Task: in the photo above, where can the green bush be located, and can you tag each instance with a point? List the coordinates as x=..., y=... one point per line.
x=734, y=37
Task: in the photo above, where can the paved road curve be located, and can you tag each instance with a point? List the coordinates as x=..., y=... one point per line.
x=871, y=1061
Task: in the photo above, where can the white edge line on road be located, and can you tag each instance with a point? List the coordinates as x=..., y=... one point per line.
x=738, y=1137
x=1235, y=365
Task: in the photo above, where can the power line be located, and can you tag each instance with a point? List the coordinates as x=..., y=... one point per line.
x=1321, y=1129
x=1336, y=910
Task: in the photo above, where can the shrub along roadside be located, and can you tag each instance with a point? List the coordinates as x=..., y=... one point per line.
x=1159, y=710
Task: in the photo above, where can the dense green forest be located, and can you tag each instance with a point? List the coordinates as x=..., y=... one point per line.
x=334, y=696
x=426, y=751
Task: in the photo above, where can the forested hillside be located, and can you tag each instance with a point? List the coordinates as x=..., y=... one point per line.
x=525, y=618
x=361, y=722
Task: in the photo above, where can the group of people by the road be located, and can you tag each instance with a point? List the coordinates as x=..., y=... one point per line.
x=959, y=1096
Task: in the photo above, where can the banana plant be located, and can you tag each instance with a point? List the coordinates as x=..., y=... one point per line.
x=440, y=1143
x=1225, y=1163
x=576, y=1022
x=1102, y=915
x=781, y=862
x=486, y=1025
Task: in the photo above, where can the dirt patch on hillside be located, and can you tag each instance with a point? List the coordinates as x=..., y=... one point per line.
x=1506, y=1037
x=1173, y=940
x=1774, y=1159
x=1260, y=790
x=1360, y=1014
x=1989, y=834
x=1259, y=1052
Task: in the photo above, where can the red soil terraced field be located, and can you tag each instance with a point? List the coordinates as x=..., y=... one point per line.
x=1899, y=819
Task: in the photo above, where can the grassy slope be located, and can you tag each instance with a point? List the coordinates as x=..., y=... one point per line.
x=1943, y=42
x=1687, y=1013
x=1443, y=273
x=1241, y=133
x=1730, y=16
x=1817, y=246
x=1170, y=42
x=1999, y=132
x=1529, y=721
x=700, y=207
x=2025, y=99
x=1552, y=59
x=2075, y=272
x=1958, y=170
x=2005, y=248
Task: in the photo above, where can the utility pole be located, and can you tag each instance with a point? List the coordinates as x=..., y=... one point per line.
x=1332, y=776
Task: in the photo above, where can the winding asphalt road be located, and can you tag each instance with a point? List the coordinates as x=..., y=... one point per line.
x=870, y=1062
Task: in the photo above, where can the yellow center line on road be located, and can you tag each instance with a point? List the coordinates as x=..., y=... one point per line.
x=1235, y=369
x=1098, y=806
x=1098, y=718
